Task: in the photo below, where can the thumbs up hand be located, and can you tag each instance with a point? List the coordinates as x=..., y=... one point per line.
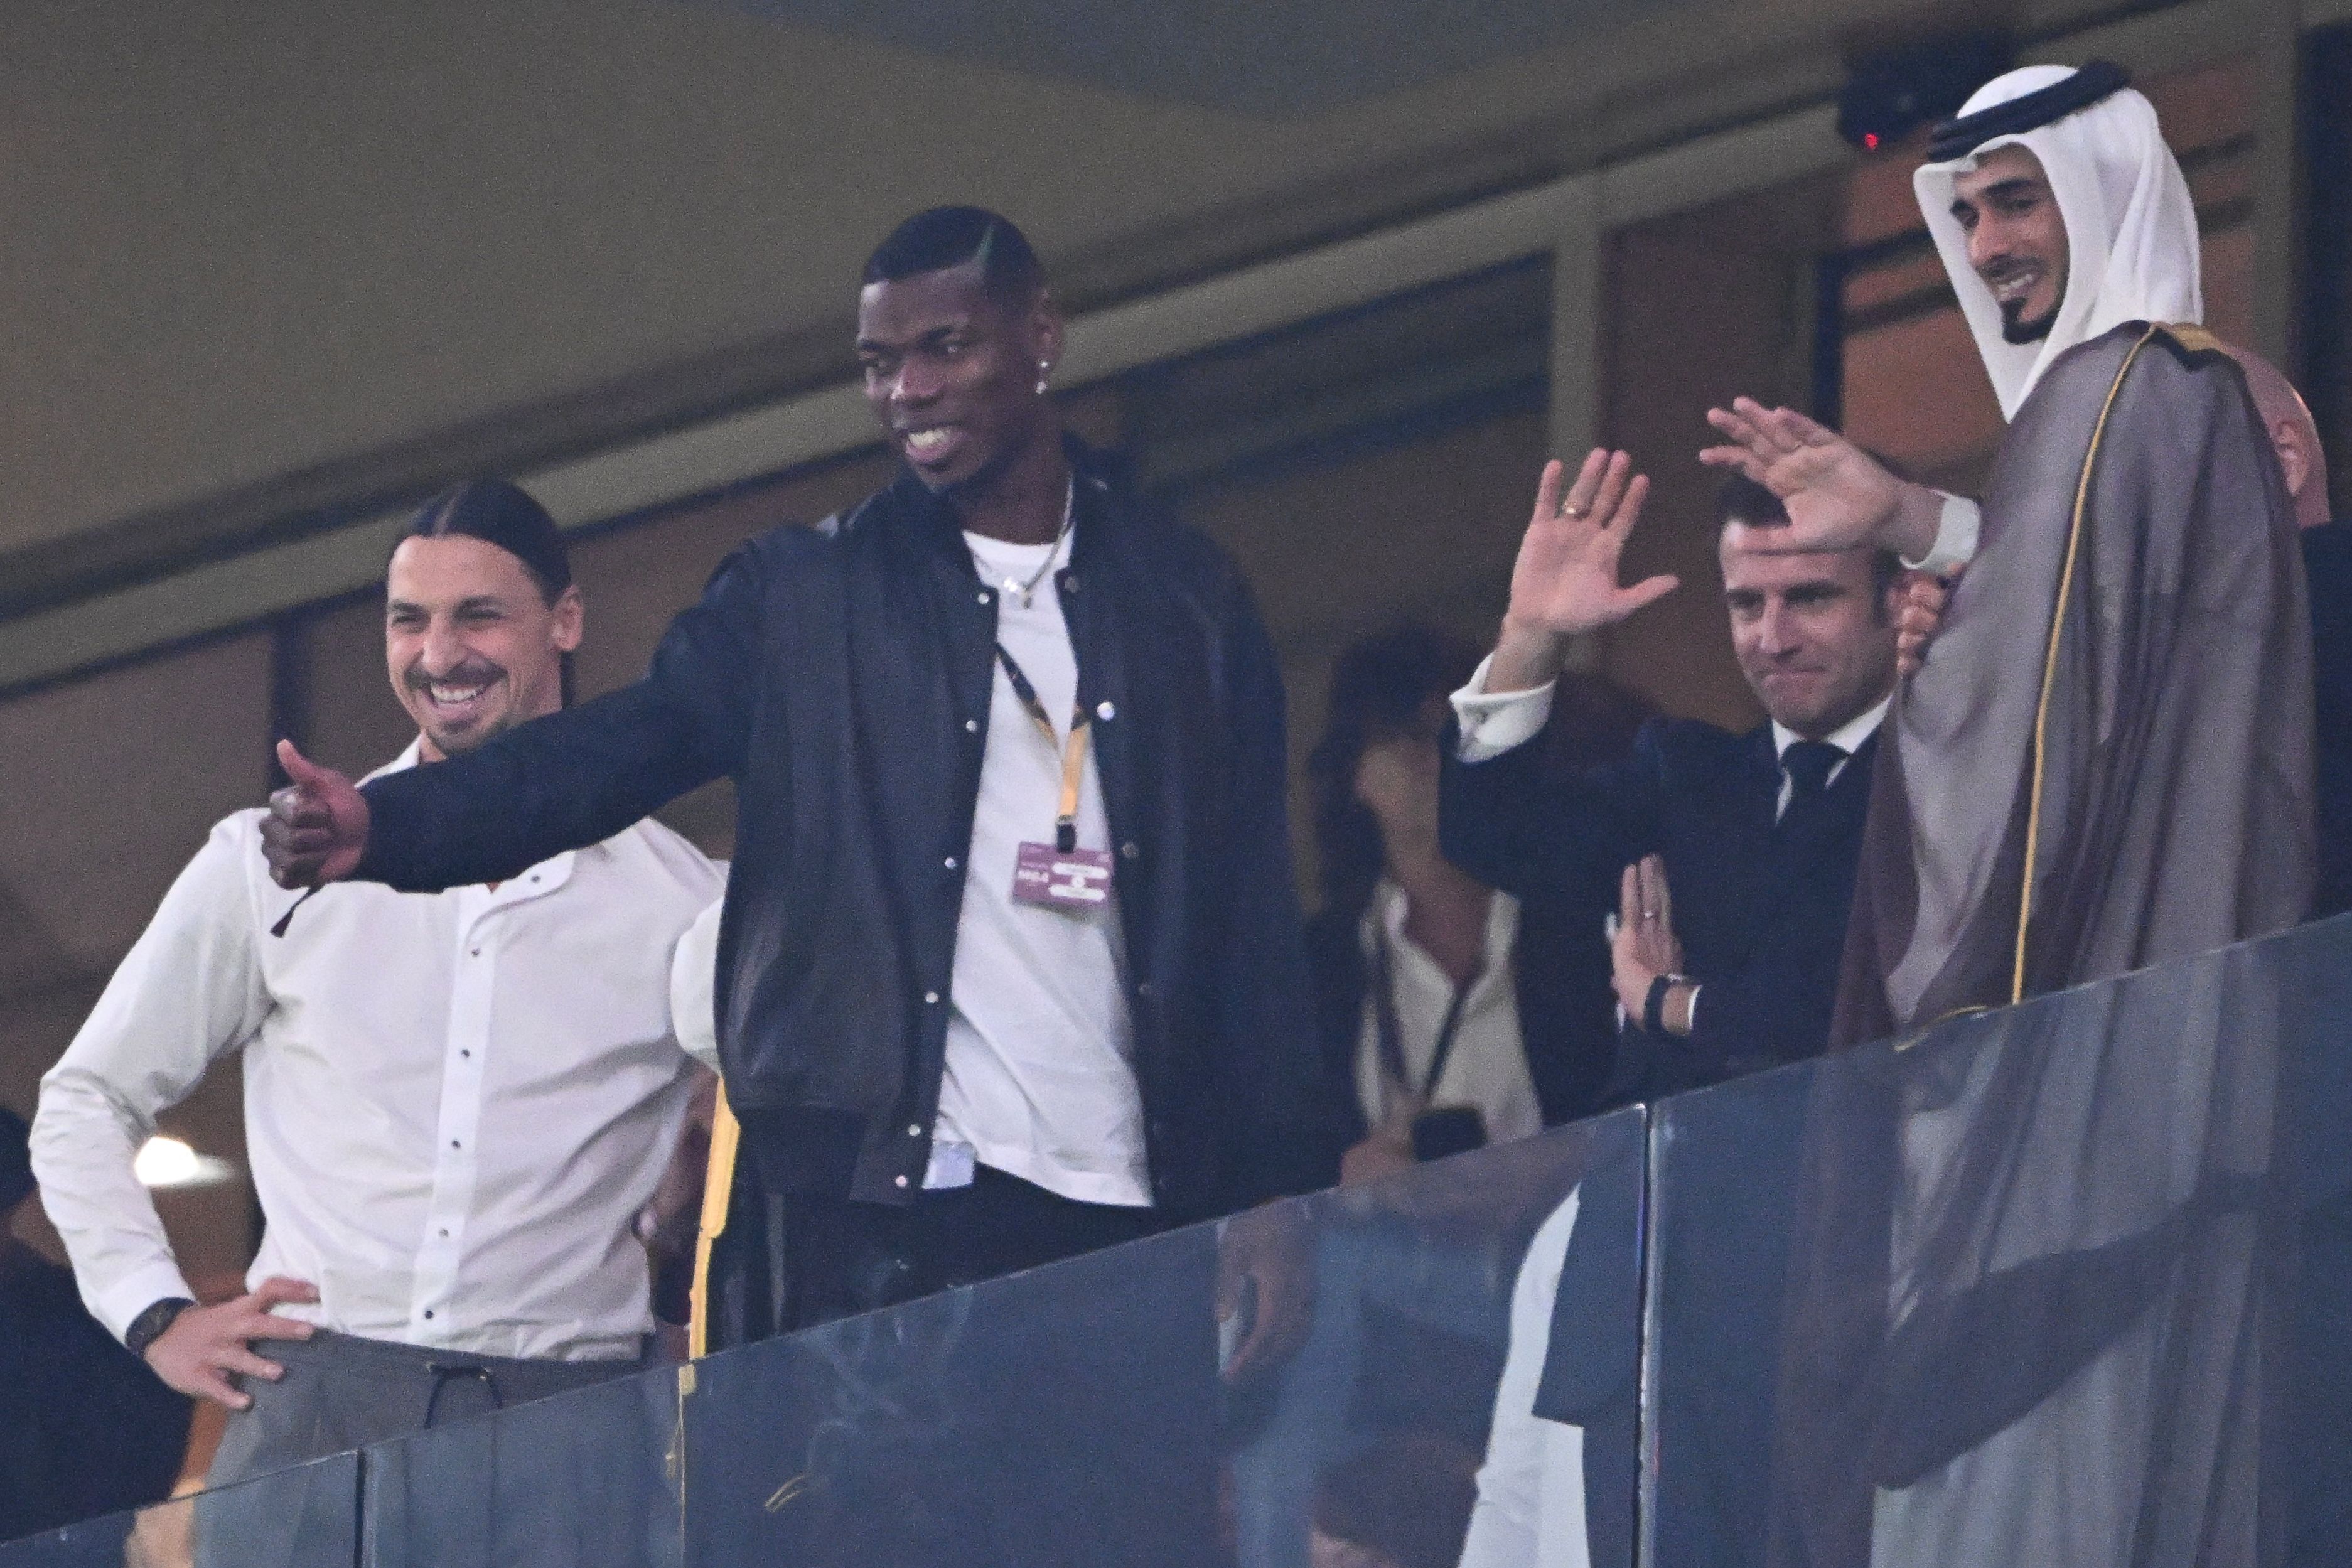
x=318, y=825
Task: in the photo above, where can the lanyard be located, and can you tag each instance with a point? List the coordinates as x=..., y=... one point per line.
x=1074, y=754
x=1391, y=1032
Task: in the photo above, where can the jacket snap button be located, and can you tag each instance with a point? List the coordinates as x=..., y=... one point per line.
x=902, y=1181
x=1128, y=850
x=1105, y=712
x=931, y=998
x=984, y=599
x=971, y=726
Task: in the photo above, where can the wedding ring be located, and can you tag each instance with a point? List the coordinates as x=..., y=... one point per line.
x=1577, y=512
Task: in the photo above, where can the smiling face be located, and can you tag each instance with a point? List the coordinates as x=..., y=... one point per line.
x=2016, y=239
x=951, y=372
x=1814, y=633
x=473, y=645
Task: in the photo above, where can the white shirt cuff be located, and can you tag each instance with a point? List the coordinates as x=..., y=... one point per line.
x=1492, y=723
x=119, y=1303
x=1956, y=537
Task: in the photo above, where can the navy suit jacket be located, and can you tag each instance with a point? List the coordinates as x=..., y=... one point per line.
x=1759, y=906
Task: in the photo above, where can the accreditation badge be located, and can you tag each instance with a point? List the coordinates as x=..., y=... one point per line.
x=1070, y=880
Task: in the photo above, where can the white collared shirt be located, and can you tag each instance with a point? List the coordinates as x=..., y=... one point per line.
x=1038, y=1081
x=454, y=1103
x=1849, y=738
x=1487, y=1066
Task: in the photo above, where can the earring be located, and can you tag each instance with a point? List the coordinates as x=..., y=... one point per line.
x=1044, y=369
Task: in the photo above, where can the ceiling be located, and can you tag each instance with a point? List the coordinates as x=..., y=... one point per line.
x=1304, y=57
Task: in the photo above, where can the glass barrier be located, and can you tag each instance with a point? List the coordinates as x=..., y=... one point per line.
x=584, y=1479
x=303, y=1518
x=2070, y=1282
x=2067, y=1283
x=1317, y=1375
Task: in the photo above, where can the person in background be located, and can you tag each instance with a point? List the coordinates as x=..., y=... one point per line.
x=84, y=1429
x=455, y=1104
x=1450, y=1015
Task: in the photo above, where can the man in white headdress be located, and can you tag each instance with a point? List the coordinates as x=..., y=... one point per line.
x=2120, y=694
x=2106, y=764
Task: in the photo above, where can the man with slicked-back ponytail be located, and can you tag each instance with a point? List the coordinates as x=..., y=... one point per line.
x=457, y=1103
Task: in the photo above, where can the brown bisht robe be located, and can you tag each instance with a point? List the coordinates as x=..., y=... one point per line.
x=2122, y=683
x=2035, y=1257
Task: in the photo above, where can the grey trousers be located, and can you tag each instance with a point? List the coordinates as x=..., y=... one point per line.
x=267, y=1504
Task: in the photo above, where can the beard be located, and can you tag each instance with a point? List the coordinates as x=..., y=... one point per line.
x=2016, y=329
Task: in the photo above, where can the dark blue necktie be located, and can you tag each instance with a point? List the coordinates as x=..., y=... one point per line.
x=1808, y=764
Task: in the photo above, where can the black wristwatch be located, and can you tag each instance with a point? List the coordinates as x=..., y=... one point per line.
x=148, y=1326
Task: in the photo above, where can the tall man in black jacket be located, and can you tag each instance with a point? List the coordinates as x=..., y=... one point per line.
x=1009, y=967
x=1734, y=854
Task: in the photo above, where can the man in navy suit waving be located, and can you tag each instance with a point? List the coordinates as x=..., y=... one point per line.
x=1730, y=857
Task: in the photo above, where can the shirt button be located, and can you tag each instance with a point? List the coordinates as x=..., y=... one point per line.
x=902, y=1181
x=428, y=1313
x=454, y=1144
x=1105, y=712
x=478, y=953
x=463, y=1052
x=1128, y=850
x=445, y=1235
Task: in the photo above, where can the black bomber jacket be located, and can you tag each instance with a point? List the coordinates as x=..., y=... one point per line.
x=841, y=676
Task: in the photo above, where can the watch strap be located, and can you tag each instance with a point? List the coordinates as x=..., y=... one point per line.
x=148, y=1326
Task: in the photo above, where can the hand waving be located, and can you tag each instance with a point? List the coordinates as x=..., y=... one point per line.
x=1837, y=495
x=317, y=826
x=1565, y=582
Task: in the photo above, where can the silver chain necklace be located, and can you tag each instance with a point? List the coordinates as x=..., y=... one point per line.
x=1028, y=590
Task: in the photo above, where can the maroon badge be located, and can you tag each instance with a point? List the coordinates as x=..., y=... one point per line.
x=1068, y=880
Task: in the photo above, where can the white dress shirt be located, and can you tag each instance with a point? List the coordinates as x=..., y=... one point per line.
x=1531, y=1507
x=1487, y=1067
x=454, y=1103
x=1037, y=1081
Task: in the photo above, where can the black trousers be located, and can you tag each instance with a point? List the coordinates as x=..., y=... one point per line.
x=841, y=1257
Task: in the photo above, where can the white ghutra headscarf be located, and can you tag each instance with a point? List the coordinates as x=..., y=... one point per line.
x=2131, y=229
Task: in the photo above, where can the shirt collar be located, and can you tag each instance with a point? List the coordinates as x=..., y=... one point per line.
x=409, y=757
x=1848, y=738
x=1388, y=907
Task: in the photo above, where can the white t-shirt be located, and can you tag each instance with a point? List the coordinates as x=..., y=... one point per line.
x=1037, y=1082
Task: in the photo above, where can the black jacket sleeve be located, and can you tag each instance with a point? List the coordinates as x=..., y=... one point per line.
x=1543, y=836
x=576, y=778
x=1268, y=1023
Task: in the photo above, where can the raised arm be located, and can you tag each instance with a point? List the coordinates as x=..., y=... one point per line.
x=563, y=782
x=1503, y=817
x=1838, y=496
